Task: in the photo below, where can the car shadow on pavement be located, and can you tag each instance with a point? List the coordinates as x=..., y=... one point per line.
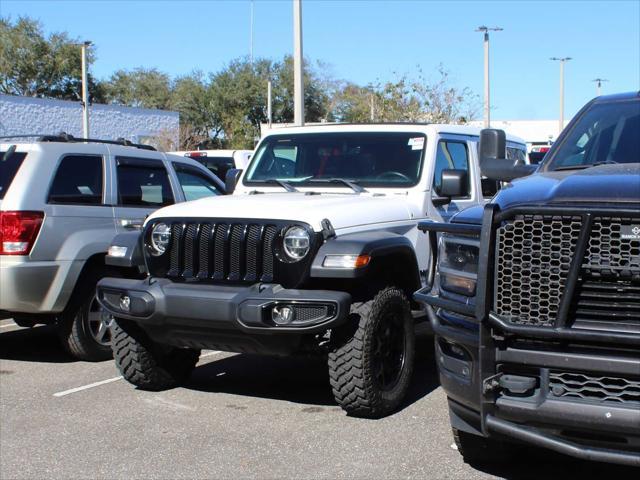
x=536, y=463
x=38, y=344
x=298, y=380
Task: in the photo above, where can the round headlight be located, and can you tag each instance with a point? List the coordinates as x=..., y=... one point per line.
x=296, y=243
x=160, y=237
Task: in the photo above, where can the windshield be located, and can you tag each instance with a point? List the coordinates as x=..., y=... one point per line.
x=606, y=133
x=380, y=159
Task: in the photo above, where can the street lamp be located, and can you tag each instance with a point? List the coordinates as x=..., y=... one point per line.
x=85, y=90
x=599, y=84
x=487, y=113
x=562, y=61
x=298, y=82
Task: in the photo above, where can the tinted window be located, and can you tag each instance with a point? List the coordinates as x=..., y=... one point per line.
x=370, y=159
x=606, y=133
x=450, y=155
x=218, y=165
x=195, y=184
x=8, y=168
x=143, y=185
x=78, y=180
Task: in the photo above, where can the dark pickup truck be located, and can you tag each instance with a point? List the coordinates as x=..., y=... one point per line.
x=536, y=297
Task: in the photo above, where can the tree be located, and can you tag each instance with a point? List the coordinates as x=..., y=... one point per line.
x=37, y=66
x=141, y=87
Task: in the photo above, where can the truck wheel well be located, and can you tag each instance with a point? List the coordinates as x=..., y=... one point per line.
x=399, y=269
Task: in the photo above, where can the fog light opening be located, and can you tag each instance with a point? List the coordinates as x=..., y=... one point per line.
x=125, y=303
x=282, y=314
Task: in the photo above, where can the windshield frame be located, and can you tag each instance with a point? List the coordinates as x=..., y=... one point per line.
x=549, y=163
x=323, y=183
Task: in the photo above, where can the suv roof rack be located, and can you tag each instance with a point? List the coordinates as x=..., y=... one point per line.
x=65, y=137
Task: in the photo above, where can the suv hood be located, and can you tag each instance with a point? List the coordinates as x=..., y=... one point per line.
x=612, y=183
x=343, y=210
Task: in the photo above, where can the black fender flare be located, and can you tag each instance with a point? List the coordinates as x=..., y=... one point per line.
x=132, y=256
x=378, y=245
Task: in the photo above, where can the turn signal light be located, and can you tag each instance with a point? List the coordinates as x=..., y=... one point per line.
x=18, y=231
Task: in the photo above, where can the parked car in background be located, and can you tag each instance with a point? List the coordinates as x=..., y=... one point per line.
x=316, y=252
x=538, y=151
x=62, y=201
x=536, y=303
x=219, y=161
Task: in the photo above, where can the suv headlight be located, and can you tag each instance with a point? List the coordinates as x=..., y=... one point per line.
x=160, y=238
x=458, y=264
x=296, y=243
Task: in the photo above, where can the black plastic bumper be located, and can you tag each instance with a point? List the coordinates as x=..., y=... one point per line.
x=230, y=318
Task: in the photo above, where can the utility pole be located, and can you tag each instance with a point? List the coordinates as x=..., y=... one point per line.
x=562, y=61
x=251, y=35
x=487, y=92
x=85, y=90
x=373, y=108
x=298, y=81
x=599, y=85
x=269, y=112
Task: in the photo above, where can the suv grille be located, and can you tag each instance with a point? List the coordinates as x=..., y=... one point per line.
x=532, y=261
x=595, y=389
x=234, y=252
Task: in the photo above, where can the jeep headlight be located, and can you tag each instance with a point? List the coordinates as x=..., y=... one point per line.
x=296, y=243
x=458, y=264
x=160, y=238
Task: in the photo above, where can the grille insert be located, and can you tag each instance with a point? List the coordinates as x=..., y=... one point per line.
x=610, y=255
x=593, y=388
x=533, y=256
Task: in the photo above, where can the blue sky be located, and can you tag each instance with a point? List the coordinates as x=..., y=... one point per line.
x=365, y=40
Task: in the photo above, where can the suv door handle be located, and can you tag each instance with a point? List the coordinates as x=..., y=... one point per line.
x=131, y=224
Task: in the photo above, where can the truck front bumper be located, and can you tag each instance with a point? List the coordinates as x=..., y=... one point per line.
x=261, y=318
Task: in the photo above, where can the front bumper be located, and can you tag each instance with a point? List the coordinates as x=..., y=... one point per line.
x=229, y=318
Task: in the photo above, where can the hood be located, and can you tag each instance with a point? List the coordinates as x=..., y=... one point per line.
x=342, y=210
x=604, y=184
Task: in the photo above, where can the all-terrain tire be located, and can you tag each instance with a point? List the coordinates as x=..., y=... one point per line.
x=354, y=360
x=481, y=450
x=147, y=365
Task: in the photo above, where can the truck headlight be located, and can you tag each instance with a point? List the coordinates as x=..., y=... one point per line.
x=296, y=243
x=160, y=238
x=458, y=264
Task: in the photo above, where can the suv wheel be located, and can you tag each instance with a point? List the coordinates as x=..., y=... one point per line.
x=481, y=450
x=85, y=327
x=370, y=369
x=147, y=365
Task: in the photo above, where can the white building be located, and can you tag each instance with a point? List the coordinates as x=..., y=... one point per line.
x=28, y=115
x=532, y=131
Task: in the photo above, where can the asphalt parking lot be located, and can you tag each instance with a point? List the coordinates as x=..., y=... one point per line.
x=239, y=416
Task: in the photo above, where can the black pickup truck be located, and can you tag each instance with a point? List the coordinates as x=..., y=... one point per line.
x=536, y=297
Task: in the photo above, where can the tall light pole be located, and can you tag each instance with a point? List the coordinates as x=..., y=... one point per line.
x=85, y=90
x=562, y=61
x=269, y=107
x=298, y=82
x=599, y=85
x=487, y=92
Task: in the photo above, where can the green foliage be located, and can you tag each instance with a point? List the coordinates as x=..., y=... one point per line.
x=37, y=66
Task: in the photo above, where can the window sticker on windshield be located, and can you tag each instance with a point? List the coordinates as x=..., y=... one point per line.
x=416, y=143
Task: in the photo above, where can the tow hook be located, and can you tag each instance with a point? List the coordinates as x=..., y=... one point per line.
x=510, y=384
x=492, y=383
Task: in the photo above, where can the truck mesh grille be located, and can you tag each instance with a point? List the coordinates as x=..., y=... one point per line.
x=234, y=252
x=609, y=254
x=594, y=388
x=533, y=256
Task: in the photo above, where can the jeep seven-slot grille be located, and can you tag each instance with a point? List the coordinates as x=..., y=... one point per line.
x=233, y=252
x=533, y=256
x=594, y=388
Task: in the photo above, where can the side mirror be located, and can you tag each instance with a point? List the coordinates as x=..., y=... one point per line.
x=494, y=163
x=231, y=179
x=454, y=183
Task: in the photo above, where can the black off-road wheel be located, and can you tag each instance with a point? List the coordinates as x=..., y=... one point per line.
x=146, y=364
x=370, y=368
x=84, y=327
x=481, y=450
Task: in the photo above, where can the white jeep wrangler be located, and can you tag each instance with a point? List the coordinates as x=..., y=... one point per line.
x=316, y=251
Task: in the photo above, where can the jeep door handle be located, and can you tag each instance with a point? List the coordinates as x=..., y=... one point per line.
x=131, y=224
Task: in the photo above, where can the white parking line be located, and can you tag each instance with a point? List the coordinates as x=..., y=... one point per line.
x=110, y=380
x=86, y=387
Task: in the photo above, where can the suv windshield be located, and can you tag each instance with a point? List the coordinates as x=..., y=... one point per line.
x=380, y=159
x=9, y=164
x=606, y=133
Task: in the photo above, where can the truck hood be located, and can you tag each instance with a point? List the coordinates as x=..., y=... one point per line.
x=342, y=210
x=611, y=183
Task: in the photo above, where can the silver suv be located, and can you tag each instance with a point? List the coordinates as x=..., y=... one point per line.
x=62, y=201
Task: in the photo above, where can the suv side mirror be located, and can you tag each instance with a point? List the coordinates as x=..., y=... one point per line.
x=454, y=183
x=493, y=157
x=231, y=179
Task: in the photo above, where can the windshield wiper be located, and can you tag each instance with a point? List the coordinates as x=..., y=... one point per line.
x=584, y=165
x=287, y=186
x=349, y=183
